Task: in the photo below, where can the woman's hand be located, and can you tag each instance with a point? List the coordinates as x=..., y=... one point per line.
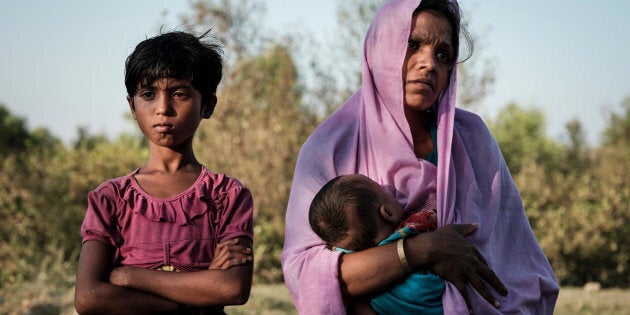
x=229, y=254
x=452, y=257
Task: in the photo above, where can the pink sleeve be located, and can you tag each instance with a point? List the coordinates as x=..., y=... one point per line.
x=237, y=209
x=100, y=218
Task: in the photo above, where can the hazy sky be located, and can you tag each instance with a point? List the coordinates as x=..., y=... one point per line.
x=61, y=62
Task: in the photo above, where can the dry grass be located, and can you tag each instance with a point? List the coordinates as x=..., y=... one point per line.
x=586, y=302
x=37, y=299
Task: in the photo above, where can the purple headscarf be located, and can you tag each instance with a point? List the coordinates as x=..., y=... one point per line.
x=370, y=135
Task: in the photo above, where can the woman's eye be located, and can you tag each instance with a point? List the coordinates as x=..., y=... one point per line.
x=444, y=57
x=413, y=45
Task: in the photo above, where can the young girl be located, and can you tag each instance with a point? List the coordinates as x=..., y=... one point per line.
x=171, y=214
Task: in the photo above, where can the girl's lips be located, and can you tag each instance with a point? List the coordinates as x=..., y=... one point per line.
x=162, y=127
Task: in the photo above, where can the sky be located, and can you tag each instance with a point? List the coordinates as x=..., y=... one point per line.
x=62, y=62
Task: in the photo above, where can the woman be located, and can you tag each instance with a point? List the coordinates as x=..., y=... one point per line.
x=402, y=117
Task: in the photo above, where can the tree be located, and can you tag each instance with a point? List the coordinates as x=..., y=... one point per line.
x=618, y=130
x=354, y=18
x=579, y=206
x=521, y=136
x=235, y=23
x=14, y=135
x=255, y=136
x=257, y=129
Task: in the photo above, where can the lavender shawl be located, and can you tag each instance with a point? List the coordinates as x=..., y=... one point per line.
x=471, y=184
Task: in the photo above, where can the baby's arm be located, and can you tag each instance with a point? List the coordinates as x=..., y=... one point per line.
x=95, y=295
x=228, y=284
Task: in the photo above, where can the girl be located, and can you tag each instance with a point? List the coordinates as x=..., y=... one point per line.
x=171, y=214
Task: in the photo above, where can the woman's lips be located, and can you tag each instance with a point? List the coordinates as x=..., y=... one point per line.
x=422, y=82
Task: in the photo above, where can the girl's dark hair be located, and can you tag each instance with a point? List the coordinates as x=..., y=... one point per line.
x=331, y=205
x=177, y=55
x=450, y=10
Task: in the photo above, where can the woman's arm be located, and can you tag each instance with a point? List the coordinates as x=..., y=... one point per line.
x=444, y=251
x=229, y=285
x=95, y=295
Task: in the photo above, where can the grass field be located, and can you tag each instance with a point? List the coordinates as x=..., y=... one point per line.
x=37, y=299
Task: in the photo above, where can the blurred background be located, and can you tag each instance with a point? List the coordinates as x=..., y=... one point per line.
x=550, y=78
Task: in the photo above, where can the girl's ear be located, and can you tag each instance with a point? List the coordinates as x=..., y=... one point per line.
x=132, y=107
x=387, y=215
x=207, y=108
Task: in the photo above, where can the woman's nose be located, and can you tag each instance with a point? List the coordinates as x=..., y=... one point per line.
x=426, y=60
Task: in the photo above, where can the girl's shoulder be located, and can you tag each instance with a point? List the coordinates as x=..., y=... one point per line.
x=219, y=181
x=114, y=185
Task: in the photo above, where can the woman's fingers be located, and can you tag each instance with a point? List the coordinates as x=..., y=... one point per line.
x=461, y=287
x=491, y=278
x=480, y=286
x=464, y=229
x=459, y=262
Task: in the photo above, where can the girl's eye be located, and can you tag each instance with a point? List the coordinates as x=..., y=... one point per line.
x=180, y=94
x=147, y=94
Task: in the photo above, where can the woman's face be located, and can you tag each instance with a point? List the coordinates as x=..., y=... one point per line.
x=429, y=59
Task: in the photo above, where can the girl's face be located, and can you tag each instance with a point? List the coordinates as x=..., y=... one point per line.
x=428, y=61
x=169, y=111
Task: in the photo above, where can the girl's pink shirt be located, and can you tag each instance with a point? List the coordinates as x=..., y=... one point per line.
x=181, y=231
x=369, y=135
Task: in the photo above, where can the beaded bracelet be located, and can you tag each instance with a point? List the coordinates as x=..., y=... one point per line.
x=401, y=255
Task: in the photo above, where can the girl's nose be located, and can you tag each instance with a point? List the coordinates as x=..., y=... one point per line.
x=164, y=105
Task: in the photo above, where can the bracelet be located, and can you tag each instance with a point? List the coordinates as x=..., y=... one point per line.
x=401, y=255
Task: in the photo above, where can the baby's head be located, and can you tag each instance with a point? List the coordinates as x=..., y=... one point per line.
x=354, y=212
x=176, y=55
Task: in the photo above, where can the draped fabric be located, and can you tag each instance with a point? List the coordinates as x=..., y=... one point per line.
x=369, y=135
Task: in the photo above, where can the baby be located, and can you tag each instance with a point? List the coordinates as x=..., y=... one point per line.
x=352, y=213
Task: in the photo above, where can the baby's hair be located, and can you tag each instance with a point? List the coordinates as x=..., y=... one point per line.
x=331, y=205
x=178, y=55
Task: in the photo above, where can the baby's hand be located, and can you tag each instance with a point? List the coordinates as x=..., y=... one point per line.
x=229, y=254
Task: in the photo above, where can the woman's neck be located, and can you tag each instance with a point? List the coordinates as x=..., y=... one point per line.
x=420, y=127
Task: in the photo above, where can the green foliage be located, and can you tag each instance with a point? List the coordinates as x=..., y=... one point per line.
x=13, y=133
x=577, y=198
x=255, y=135
x=521, y=136
x=618, y=131
x=43, y=200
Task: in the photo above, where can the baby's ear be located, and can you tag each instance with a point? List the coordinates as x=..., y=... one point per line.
x=387, y=215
